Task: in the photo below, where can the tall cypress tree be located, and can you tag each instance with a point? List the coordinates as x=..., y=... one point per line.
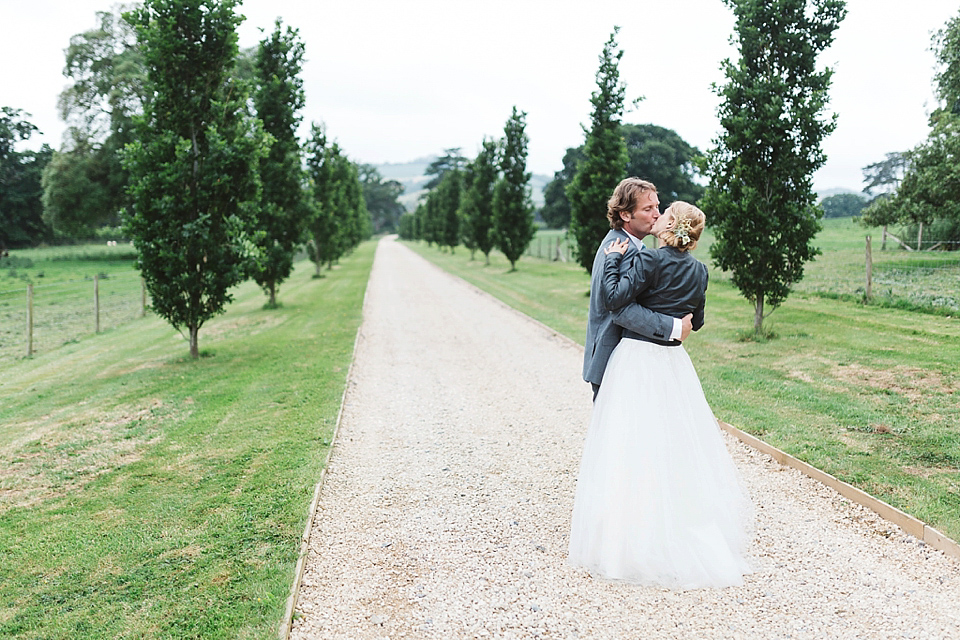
x=513, y=227
x=283, y=210
x=193, y=168
x=760, y=200
x=321, y=223
x=477, y=202
x=604, y=158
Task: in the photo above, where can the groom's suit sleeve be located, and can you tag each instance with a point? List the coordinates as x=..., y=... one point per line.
x=623, y=280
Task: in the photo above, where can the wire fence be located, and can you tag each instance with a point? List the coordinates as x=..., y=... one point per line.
x=40, y=318
x=928, y=279
x=550, y=245
x=902, y=275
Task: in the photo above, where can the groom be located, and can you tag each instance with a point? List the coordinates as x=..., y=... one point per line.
x=632, y=210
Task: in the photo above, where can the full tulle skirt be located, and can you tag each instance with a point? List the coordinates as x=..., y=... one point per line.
x=658, y=498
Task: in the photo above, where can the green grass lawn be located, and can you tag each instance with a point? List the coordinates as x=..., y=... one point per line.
x=147, y=495
x=866, y=393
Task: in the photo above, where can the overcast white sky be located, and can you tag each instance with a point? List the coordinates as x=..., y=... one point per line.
x=395, y=80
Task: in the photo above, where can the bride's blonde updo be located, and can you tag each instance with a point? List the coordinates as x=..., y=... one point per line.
x=688, y=222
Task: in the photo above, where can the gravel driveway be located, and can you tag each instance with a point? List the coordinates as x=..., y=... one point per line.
x=446, y=505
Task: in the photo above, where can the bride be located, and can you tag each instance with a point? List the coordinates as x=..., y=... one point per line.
x=658, y=499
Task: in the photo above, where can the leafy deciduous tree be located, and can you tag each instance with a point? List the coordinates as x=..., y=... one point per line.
x=556, y=207
x=927, y=178
x=85, y=184
x=760, y=201
x=661, y=156
x=21, y=222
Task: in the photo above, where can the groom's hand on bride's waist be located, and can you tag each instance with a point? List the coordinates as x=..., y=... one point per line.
x=687, y=323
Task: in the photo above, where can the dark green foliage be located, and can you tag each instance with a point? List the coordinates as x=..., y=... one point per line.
x=194, y=179
x=447, y=194
x=843, y=205
x=406, y=227
x=283, y=210
x=441, y=207
x=348, y=202
x=556, y=207
x=77, y=197
x=21, y=209
x=513, y=227
x=760, y=202
x=323, y=226
x=605, y=156
x=946, y=46
x=476, y=206
x=381, y=198
x=654, y=153
x=661, y=156
x=339, y=220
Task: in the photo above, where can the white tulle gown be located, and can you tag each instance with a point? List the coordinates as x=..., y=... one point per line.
x=658, y=499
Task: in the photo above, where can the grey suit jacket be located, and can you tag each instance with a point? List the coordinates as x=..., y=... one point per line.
x=603, y=333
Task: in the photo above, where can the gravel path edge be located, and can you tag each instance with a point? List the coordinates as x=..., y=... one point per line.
x=286, y=623
x=909, y=524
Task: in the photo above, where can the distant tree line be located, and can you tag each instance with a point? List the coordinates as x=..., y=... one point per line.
x=482, y=204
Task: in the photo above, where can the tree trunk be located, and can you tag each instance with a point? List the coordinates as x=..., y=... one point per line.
x=317, y=265
x=194, y=348
x=487, y=256
x=920, y=236
x=758, y=314
x=883, y=245
x=273, y=293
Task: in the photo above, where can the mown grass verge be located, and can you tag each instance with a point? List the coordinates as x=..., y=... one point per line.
x=868, y=394
x=147, y=495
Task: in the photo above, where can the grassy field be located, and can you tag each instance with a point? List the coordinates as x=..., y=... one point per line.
x=866, y=393
x=63, y=295
x=147, y=495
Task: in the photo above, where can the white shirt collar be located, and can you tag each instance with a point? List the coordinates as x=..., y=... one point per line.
x=637, y=242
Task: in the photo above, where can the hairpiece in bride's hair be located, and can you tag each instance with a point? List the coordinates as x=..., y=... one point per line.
x=681, y=229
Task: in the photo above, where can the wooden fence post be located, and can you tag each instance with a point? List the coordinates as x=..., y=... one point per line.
x=29, y=320
x=869, y=270
x=96, y=304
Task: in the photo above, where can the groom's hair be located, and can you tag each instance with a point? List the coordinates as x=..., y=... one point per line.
x=625, y=198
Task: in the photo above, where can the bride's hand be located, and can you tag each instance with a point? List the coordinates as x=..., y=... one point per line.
x=620, y=246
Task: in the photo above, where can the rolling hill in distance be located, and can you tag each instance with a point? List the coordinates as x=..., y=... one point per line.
x=411, y=175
